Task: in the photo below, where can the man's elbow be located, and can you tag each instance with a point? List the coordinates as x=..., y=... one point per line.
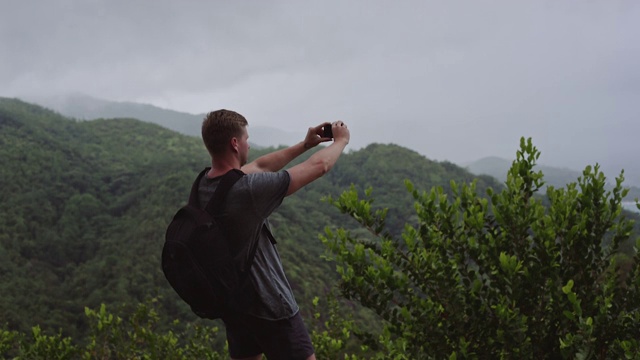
x=323, y=166
x=318, y=167
x=307, y=172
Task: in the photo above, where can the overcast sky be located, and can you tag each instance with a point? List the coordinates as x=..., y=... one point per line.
x=453, y=80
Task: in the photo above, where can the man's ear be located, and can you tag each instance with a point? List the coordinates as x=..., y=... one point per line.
x=234, y=143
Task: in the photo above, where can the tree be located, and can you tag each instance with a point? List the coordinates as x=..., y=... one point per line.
x=501, y=276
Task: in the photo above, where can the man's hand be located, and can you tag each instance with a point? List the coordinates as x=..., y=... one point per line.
x=321, y=161
x=315, y=136
x=340, y=131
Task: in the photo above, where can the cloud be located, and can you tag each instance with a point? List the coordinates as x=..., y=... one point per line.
x=453, y=80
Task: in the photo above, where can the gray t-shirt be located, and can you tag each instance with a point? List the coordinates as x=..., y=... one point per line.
x=249, y=203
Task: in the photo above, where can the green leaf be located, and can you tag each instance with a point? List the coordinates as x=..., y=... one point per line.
x=569, y=315
x=567, y=288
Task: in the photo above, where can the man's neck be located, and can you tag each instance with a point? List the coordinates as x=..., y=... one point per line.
x=219, y=168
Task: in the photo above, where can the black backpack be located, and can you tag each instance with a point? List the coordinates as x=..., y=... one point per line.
x=196, y=257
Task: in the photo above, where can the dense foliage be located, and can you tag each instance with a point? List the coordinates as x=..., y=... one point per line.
x=113, y=337
x=501, y=276
x=85, y=205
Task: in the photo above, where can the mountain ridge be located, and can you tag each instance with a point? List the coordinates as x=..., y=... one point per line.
x=85, y=107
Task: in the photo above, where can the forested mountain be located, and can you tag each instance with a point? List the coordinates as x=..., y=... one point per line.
x=85, y=205
x=88, y=108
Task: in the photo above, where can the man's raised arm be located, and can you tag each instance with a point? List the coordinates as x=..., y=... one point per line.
x=278, y=159
x=320, y=162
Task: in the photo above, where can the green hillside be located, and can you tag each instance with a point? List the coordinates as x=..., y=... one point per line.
x=86, y=203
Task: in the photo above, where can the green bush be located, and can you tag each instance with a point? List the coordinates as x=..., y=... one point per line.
x=509, y=275
x=112, y=337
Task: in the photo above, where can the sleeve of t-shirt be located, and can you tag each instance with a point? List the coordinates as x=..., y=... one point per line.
x=268, y=189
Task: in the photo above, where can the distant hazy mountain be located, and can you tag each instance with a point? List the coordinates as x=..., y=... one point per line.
x=498, y=167
x=557, y=177
x=88, y=108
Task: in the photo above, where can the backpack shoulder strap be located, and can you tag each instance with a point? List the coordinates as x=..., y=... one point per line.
x=215, y=205
x=193, y=195
x=269, y=234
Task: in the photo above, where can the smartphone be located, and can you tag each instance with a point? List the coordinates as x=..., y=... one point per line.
x=327, y=132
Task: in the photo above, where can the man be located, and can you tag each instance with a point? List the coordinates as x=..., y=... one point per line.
x=264, y=318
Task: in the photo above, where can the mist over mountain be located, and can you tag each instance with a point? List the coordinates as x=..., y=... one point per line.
x=498, y=167
x=557, y=177
x=85, y=107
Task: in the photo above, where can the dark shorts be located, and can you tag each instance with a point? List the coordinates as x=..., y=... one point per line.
x=286, y=339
